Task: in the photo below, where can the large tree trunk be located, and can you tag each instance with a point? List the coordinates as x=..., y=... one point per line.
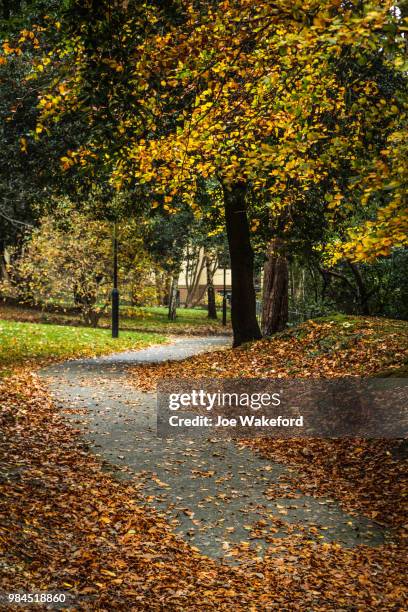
x=243, y=303
x=167, y=289
x=173, y=298
x=275, y=290
x=212, y=308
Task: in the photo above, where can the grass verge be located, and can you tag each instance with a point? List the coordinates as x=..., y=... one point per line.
x=189, y=321
x=22, y=343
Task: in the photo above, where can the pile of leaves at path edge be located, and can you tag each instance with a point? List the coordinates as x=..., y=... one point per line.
x=68, y=525
x=367, y=476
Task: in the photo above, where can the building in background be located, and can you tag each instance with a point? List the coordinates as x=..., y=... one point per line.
x=193, y=282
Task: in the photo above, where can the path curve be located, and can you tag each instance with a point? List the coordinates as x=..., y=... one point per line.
x=211, y=491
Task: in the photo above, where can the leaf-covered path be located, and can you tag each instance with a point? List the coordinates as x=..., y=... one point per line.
x=216, y=494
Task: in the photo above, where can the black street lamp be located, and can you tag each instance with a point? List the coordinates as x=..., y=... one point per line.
x=224, y=299
x=115, y=291
x=224, y=262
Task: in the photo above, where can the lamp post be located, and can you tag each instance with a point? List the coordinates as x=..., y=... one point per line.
x=223, y=262
x=115, y=291
x=224, y=299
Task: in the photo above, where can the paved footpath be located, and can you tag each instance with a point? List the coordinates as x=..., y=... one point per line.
x=211, y=491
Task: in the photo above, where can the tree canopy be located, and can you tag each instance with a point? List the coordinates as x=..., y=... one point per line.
x=284, y=110
x=281, y=95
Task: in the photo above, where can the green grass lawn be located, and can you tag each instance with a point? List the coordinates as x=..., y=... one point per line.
x=154, y=318
x=159, y=313
x=141, y=319
x=24, y=342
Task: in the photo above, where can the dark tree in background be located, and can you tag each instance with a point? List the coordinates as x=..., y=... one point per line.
x=243, y=301
x=275, y=289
